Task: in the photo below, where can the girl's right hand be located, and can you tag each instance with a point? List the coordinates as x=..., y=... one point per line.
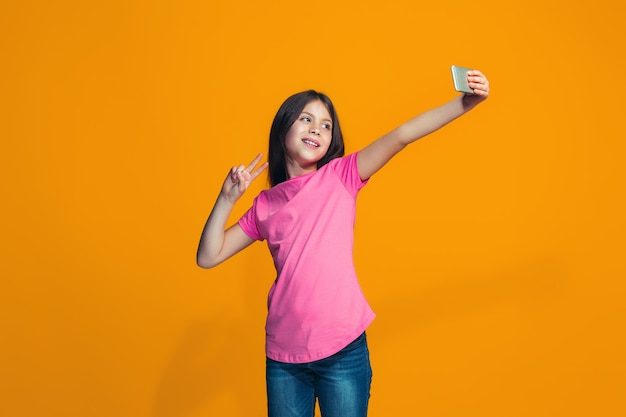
x=239, y=178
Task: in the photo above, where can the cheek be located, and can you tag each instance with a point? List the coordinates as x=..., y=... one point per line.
x=289, y=138
x=329, y=138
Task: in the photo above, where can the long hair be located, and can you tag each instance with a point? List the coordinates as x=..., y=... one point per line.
x=287, y=114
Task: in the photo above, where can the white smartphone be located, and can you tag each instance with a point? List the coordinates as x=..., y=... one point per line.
x=459, y=77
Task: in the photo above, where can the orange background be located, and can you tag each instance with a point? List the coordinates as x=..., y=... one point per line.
x=492, y=251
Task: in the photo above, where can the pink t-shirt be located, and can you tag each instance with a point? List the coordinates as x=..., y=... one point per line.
x=315, y=306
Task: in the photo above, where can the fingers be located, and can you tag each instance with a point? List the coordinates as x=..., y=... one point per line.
x=243, y=175
x=242, y=181
x=240, y=177
x=254, y=162
x=238, y=182
x=478, y=82
x=235, y=173
x=255, y=173
x=260, y=169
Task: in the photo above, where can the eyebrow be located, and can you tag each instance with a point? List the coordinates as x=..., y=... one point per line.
x=312, y=115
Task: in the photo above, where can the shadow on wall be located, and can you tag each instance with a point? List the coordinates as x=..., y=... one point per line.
x=211, y=360
x=220, y=361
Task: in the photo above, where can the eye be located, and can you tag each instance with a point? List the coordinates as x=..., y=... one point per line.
x=305, y=119
x=327, y=126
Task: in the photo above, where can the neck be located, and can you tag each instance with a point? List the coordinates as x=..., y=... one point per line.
x=295, y=170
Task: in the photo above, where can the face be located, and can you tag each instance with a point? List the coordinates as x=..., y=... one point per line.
x=308, y=139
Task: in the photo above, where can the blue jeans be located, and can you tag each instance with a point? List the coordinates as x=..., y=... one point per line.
x=340, y=382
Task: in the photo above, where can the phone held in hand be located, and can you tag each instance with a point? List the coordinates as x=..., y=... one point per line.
x=459, y=77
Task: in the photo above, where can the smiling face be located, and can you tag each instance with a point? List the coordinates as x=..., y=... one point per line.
x=308, y=139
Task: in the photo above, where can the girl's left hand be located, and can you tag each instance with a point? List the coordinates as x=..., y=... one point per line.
x=480, y=84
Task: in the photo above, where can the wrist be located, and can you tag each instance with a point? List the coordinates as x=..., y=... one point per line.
x=470, y=101
x=225, y=199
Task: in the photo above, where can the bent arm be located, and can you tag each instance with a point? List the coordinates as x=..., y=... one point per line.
x=374, y=156
x=216, y=244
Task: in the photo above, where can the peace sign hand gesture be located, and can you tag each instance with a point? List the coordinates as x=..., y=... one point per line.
x=239, y=178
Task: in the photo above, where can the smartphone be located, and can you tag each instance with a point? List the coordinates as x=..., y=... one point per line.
x=459, y=76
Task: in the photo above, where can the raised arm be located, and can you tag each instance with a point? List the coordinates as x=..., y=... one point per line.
x=374, y=156
x=216, y=243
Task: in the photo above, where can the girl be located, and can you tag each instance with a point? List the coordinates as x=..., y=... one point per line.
x=317, y=315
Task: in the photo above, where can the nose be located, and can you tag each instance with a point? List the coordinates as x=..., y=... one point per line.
x=315, y=131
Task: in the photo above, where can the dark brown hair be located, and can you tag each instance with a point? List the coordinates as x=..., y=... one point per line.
x=287, y=114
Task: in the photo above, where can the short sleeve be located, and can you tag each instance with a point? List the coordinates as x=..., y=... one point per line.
x=347, y=169
x=248, y=223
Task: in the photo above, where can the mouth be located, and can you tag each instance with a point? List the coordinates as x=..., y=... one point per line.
x=311, y=142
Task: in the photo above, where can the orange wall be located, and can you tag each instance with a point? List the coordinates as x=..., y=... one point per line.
x=492, y=251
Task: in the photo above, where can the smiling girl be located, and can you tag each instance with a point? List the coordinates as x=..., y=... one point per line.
x=316, y=345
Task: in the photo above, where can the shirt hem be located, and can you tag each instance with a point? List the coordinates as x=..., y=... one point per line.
x=297, y=359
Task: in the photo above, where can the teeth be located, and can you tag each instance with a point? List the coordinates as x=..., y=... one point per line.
x=310, y=142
